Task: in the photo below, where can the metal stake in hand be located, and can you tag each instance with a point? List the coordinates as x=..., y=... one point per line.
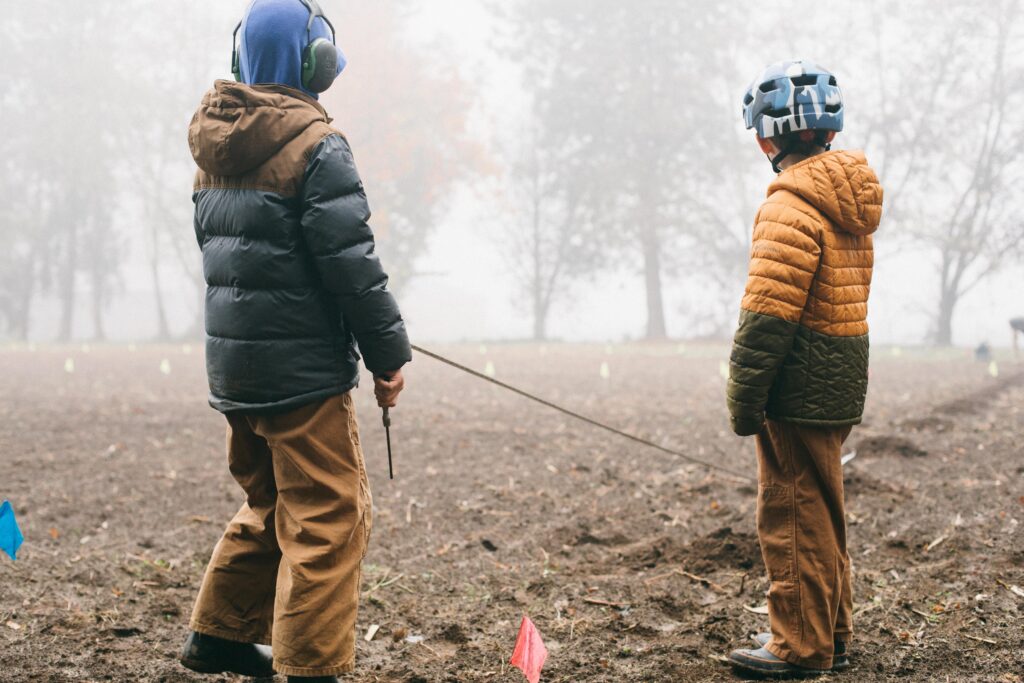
x=387, y=433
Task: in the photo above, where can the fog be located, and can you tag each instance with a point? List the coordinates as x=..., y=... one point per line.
x=559, y=169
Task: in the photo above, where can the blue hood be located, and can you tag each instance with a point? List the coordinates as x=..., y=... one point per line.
x=272, y=39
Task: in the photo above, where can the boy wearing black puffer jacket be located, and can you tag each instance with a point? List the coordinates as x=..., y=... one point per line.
x=293, y=286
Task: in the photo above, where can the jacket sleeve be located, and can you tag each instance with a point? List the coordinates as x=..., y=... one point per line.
x=335, y=227
x=783, y=261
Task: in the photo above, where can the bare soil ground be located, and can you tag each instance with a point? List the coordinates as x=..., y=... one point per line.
x=502, y=508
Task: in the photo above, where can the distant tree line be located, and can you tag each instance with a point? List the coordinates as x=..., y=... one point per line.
x=635, y=149
x=96, y=174
x=628, y=158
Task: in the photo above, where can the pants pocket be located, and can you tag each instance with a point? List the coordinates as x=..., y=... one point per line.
x=775, y=531
x=364, y=500
x=365, y=496
x=349, y=406
x=367, y=517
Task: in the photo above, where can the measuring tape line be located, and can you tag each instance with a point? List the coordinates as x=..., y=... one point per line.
x=582, y=418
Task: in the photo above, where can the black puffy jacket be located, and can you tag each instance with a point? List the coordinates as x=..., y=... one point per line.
x=292, y=279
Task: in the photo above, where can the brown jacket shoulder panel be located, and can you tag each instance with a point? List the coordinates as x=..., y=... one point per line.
x=256, y=137
x=282, y=173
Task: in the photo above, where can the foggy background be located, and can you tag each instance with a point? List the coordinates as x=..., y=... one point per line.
x=563, y=169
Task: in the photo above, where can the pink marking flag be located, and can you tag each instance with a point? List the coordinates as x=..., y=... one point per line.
x=530, y=653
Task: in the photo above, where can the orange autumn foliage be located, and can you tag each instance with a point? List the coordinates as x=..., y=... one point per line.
x=404, y=108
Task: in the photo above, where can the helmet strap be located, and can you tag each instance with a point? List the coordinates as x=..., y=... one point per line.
x=777, y=159
x=820, y=139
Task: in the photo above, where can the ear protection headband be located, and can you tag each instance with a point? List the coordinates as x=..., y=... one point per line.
x=319, y=58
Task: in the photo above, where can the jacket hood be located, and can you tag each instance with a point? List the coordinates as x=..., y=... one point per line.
x=238, y=127
x=841, y=185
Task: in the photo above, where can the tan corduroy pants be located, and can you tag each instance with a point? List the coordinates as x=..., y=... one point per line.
x=286, y=572
x=801, y=524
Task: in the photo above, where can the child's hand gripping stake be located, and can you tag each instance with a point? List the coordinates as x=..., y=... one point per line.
x=387, y=388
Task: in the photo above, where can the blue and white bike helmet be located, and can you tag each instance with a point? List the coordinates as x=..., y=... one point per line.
x=790, y=97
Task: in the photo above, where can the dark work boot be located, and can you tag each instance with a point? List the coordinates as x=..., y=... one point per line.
x=840, y=657
x=211, y=655
x=760, y=662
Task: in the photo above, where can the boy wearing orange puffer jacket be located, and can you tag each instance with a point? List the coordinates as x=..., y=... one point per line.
x=799, y=364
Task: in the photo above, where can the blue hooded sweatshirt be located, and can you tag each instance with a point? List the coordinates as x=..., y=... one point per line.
x=273, y=37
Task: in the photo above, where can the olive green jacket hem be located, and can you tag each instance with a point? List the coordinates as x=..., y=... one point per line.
x=808, y=422
x=794, y=374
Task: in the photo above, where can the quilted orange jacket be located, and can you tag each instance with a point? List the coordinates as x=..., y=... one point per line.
x=801, y=350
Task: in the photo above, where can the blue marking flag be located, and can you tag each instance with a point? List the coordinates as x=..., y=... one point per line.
x=10, y=534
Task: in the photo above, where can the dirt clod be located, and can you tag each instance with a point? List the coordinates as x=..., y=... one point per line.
x=723, y=549
x=454, y=633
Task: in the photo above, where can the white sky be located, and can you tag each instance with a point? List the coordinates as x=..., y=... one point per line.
x=471, y=300
x=471, y=295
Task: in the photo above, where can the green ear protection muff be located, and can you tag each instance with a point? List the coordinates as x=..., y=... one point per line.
x=319, y=65
x=319, y=59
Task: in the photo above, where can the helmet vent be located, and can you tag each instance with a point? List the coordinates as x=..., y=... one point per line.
x=832, y=81
x=804, y=80
x=833, y=108
x=767, y=87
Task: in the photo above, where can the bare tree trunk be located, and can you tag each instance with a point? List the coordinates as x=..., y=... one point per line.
x=197, y=330
x=193, y=269
x=652, y=280
x=22, y=318
x=944, y=317
x=541, y=306
x=97, y=307
x=539, y=309
x=163, y=329
x=21, y=322
x=67, y=286
x=540, y=332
